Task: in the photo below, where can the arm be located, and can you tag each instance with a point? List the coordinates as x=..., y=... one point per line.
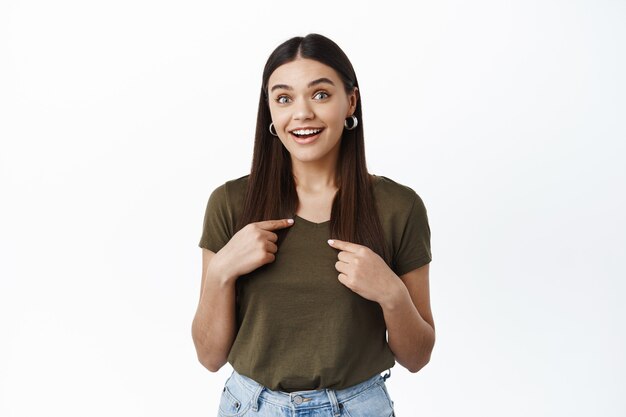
x=409, y=320
x=214, y=328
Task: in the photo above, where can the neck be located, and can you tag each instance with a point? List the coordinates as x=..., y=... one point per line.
x=314, y=176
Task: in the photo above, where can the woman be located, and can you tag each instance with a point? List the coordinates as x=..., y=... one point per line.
x=302, y=318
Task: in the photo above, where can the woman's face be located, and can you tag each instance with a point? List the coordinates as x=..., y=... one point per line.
x=308, y=105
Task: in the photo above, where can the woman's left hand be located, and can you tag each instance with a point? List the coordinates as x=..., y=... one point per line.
x=365, y=272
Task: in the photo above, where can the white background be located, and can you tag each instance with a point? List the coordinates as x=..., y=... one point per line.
x=118, y=118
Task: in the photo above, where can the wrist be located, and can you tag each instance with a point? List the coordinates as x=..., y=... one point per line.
x=395, y=296
x=218, y=270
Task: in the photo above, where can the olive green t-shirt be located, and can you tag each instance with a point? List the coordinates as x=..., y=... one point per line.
x=298, y=326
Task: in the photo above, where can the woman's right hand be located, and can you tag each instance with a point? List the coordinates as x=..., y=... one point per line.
x=250, y=248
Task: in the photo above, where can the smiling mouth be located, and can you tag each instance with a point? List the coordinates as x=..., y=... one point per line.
x=306, y=133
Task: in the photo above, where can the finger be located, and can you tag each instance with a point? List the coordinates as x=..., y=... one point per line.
x=341, y=266
x=274, y=224
x=343, y=245
x=268, y=236
x=271, y=247
x=343, y=278
x=346, y=257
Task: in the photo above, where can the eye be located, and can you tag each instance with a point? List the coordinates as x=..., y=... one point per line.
x=282, y=99
x=321, y=95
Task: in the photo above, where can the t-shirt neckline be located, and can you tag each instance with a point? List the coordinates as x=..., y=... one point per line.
x=309, y=222
x=302, y=219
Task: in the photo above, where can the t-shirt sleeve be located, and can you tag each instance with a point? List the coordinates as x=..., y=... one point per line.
x=218, y=221
x=414, y=250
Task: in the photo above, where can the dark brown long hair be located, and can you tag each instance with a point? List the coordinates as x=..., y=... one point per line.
x=271, y=192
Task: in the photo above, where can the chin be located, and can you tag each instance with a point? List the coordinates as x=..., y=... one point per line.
x=307, y=156
x=303, y=158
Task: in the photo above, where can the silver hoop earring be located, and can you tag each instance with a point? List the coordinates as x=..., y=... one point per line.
x=274, y=132
x=355, y=123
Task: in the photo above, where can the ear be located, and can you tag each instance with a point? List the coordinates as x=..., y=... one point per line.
x=353, y=99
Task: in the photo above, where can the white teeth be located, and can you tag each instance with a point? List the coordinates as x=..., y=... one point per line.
x=307, y=131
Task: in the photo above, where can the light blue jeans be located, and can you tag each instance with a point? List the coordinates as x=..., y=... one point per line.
x=243, y=396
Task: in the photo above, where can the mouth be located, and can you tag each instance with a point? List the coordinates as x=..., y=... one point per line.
x=306, y=135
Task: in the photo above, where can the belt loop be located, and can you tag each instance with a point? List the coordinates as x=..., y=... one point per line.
x=255, y=397
x=387, y=375
x=333, y=402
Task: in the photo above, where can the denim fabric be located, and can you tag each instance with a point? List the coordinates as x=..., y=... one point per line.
x=242, y=396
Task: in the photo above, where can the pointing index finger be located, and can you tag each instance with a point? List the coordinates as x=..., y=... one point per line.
x=274, y=224
x=343, y=245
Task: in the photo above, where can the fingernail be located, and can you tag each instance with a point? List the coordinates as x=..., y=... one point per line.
x=331, y=242
x=290, y=221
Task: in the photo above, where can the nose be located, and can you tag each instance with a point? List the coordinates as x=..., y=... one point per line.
x=302, y=110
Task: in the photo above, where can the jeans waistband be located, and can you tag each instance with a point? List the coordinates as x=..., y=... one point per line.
x=307, y=398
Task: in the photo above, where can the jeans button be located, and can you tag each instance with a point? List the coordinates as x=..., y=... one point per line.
x=297, y=399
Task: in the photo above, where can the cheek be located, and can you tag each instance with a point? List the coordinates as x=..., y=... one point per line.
x=279, y=118
x=334, y=118
x=331, y=116
x=337, y=112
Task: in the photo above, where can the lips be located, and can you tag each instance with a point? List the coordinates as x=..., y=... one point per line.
x=305, y=135
x=303, y=132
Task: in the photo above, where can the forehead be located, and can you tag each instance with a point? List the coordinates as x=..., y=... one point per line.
x=300, y=72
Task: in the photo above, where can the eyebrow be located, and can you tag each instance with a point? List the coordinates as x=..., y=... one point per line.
x=309, y=85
